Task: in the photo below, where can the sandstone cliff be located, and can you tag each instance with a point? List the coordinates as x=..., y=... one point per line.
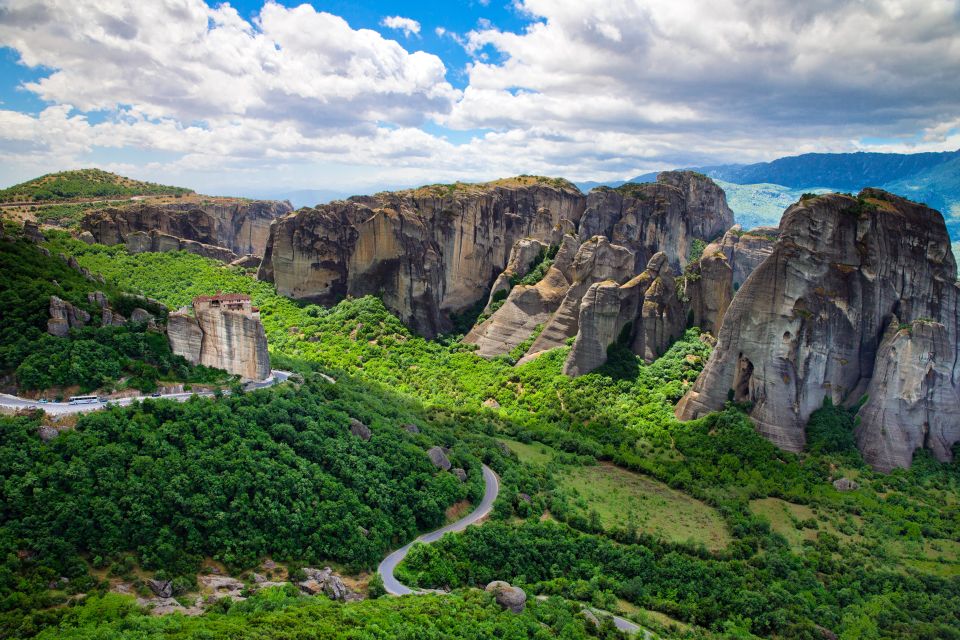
x=814, y=321
x=229, y=227
x=224, y=332
x=666, y=215
x=427, y=252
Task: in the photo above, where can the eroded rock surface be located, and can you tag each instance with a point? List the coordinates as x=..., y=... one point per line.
x=814, y=320
x=64, y=316
x=426, y=251
x=225, y=332
x=217, y=228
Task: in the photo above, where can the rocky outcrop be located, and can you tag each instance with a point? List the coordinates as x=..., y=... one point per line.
x=108, y=317
x=31, y=231
x=510, y=598
x=64, y=316
x=666, y=215
x=224, y=332
x=913, y=401
x=815, y=320
x=325, y=581
x=218, y=228
x=427, y=252
x=644, y=313
x=439, y=458
x=526, y=306
x=597, y=260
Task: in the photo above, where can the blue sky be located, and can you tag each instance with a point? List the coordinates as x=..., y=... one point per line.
x=257, y=98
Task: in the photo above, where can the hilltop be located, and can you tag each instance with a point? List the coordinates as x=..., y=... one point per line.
x=84, y=183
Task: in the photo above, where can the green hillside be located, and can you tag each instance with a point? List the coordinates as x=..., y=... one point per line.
x=83, y=183
x=610, y=501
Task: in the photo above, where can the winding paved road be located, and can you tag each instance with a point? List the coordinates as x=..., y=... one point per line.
x=389, y=564
x=64, y=408
x=491, y=490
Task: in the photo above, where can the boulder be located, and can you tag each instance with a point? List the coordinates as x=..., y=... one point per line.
x=438, y=458
x=31, y=231
x=141, y=315
x=47, y=433
x=845, y=484
x=510, y=598
x=161, y=588
x=86, y=237
x=460, y=473
x=491, y=403
x=359, y=429
x=248, y=261
x=858, y=296
x=410, y=428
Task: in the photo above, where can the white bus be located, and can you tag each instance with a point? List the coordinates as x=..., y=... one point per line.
x=84, y=399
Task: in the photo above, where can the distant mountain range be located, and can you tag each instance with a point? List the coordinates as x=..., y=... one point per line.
x=758, y=193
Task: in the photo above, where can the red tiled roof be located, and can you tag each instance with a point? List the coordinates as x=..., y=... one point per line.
x=223, y=297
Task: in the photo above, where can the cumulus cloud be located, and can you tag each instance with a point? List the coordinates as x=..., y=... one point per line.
x=588, y=89
x=409, y=26
x=760, y=72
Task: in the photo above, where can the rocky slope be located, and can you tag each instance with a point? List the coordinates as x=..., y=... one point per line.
x=221, y=229
x=858, y=295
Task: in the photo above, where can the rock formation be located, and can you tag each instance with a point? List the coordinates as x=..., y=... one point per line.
x=821, y=317
x=64, y=316
x=645, y=313
x=157, y=242
x=235, y=227
x=439, y=458
x=510, y=598
x=360, y=430
x=426, y=252
x=666, y=215
x=224, y=332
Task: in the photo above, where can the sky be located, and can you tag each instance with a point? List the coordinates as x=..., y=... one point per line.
x=252, y=97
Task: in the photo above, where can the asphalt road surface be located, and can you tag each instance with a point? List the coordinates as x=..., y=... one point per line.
x=65, y=408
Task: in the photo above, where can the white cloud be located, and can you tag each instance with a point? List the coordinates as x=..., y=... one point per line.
x=589, y=89
x=409, y=26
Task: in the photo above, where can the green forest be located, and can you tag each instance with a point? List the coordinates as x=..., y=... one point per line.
x=707, y=529
x=92, y=357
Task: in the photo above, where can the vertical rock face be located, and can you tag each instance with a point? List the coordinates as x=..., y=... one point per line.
x=667, y=215
x=238, y=227
x=225, y=332
x=426, y=251
x=157, y=242
x=597, y=260
x=434, y=250
x=810, y=322
x=645, y=312
x=912, y=401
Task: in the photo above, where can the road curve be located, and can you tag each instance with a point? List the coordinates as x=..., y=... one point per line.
x=389, y=564
x=65, y=408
